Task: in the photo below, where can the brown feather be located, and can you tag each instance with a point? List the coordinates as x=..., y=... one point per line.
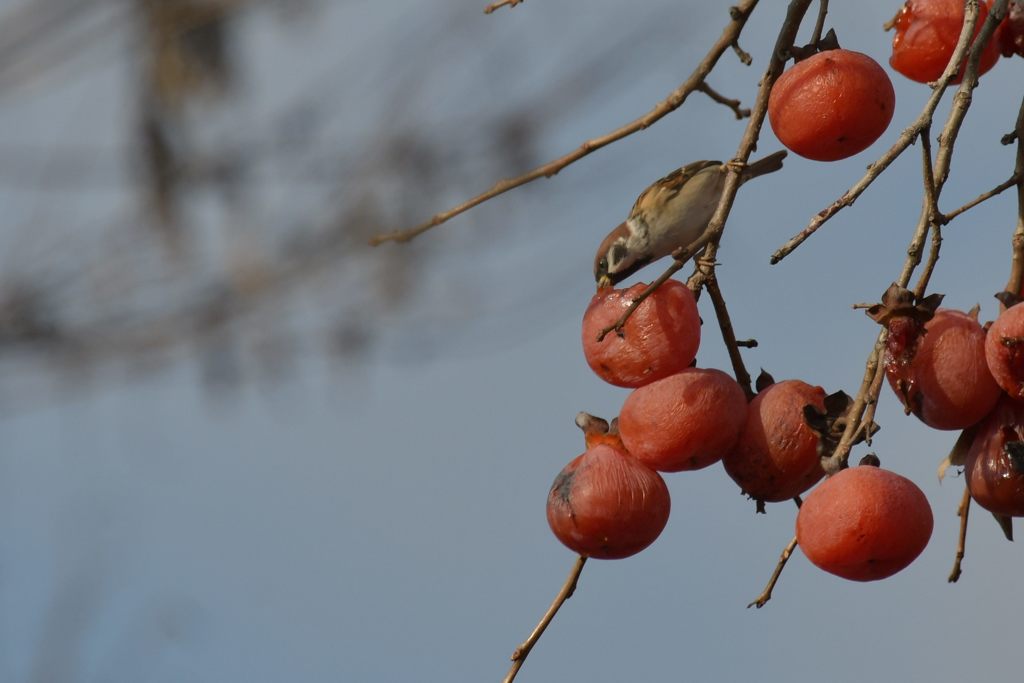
x=673, y=182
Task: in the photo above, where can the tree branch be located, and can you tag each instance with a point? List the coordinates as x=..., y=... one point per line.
x=961, y=544
x=502, y=3
x=521, y=652
x=1016, y=279
x=722, y=99
x=787, y=552
x=729, y=336
x=819, y=23
x=871, y=384
x=983, y=197
x=738, y=14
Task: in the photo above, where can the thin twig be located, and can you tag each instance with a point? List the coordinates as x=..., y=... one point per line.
x=729, y=336
x=502, y=3
x=819, y=23
x=740, y=112
x=523, y=651
x=961, y=545
x=906, y=138
x=964, y=95
x=871, y=405
x=766, y=594
x=738, y=19
x=1016, y=279
x=865, y=395
x=787, y=552
x=934, y=216
x=984, y=196
x=742, y=54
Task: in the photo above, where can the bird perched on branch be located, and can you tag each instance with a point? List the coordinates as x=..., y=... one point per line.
x=671, y=213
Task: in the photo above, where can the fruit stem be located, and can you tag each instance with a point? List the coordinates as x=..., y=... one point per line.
x=521, y=652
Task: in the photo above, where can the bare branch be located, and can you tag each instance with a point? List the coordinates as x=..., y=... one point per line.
x=983, y=197
x=721, y=99
x=1016, y=280
x=523, y=651
x=766, y=594
x=865, y=395
x=729, y=336
x=502, y=3
x=738, y=14
x=787, y=552
x=961, y=545
x=930, y=212
x=819, y=23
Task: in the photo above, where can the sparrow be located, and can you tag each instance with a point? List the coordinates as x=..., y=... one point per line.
x=671, y=213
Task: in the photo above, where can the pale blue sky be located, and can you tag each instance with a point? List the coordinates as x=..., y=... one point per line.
x=384, y=520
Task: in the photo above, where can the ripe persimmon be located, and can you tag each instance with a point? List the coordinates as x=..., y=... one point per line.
x=994, y=469
x=1004, y=350
x=864, y=523
x=659, y=339
x=947, y=383
x=776, y=457
x=606, y=504
x=684, y=421
x=926, y=35
x=831, y=105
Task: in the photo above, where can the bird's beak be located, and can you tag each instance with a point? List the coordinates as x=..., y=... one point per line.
x=604, y=281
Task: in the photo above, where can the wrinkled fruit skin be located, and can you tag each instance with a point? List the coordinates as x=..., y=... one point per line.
x=1011, y=32
x=661, y=337
x=995, y=462
x=900, y=349
x=607, y=505
x=926, y=35
x=946, y=382
x=685, y=421
x=1004, y=350
x=832, y=105
x=864, y=524
x=776, y=457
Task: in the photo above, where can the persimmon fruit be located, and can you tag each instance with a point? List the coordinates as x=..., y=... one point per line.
x=994, y=468
x=864, y=523
x=1011, y=31
x=831, y=105
x=776, y=456
x=685, y=421
x=658, y=340
x=926, y=35
x=947, y=383
x=1004, y=350
x=606, y=504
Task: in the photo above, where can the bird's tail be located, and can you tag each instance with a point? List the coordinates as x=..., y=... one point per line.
x=770, y=164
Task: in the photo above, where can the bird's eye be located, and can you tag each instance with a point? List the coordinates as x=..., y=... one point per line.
x=603, y=265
